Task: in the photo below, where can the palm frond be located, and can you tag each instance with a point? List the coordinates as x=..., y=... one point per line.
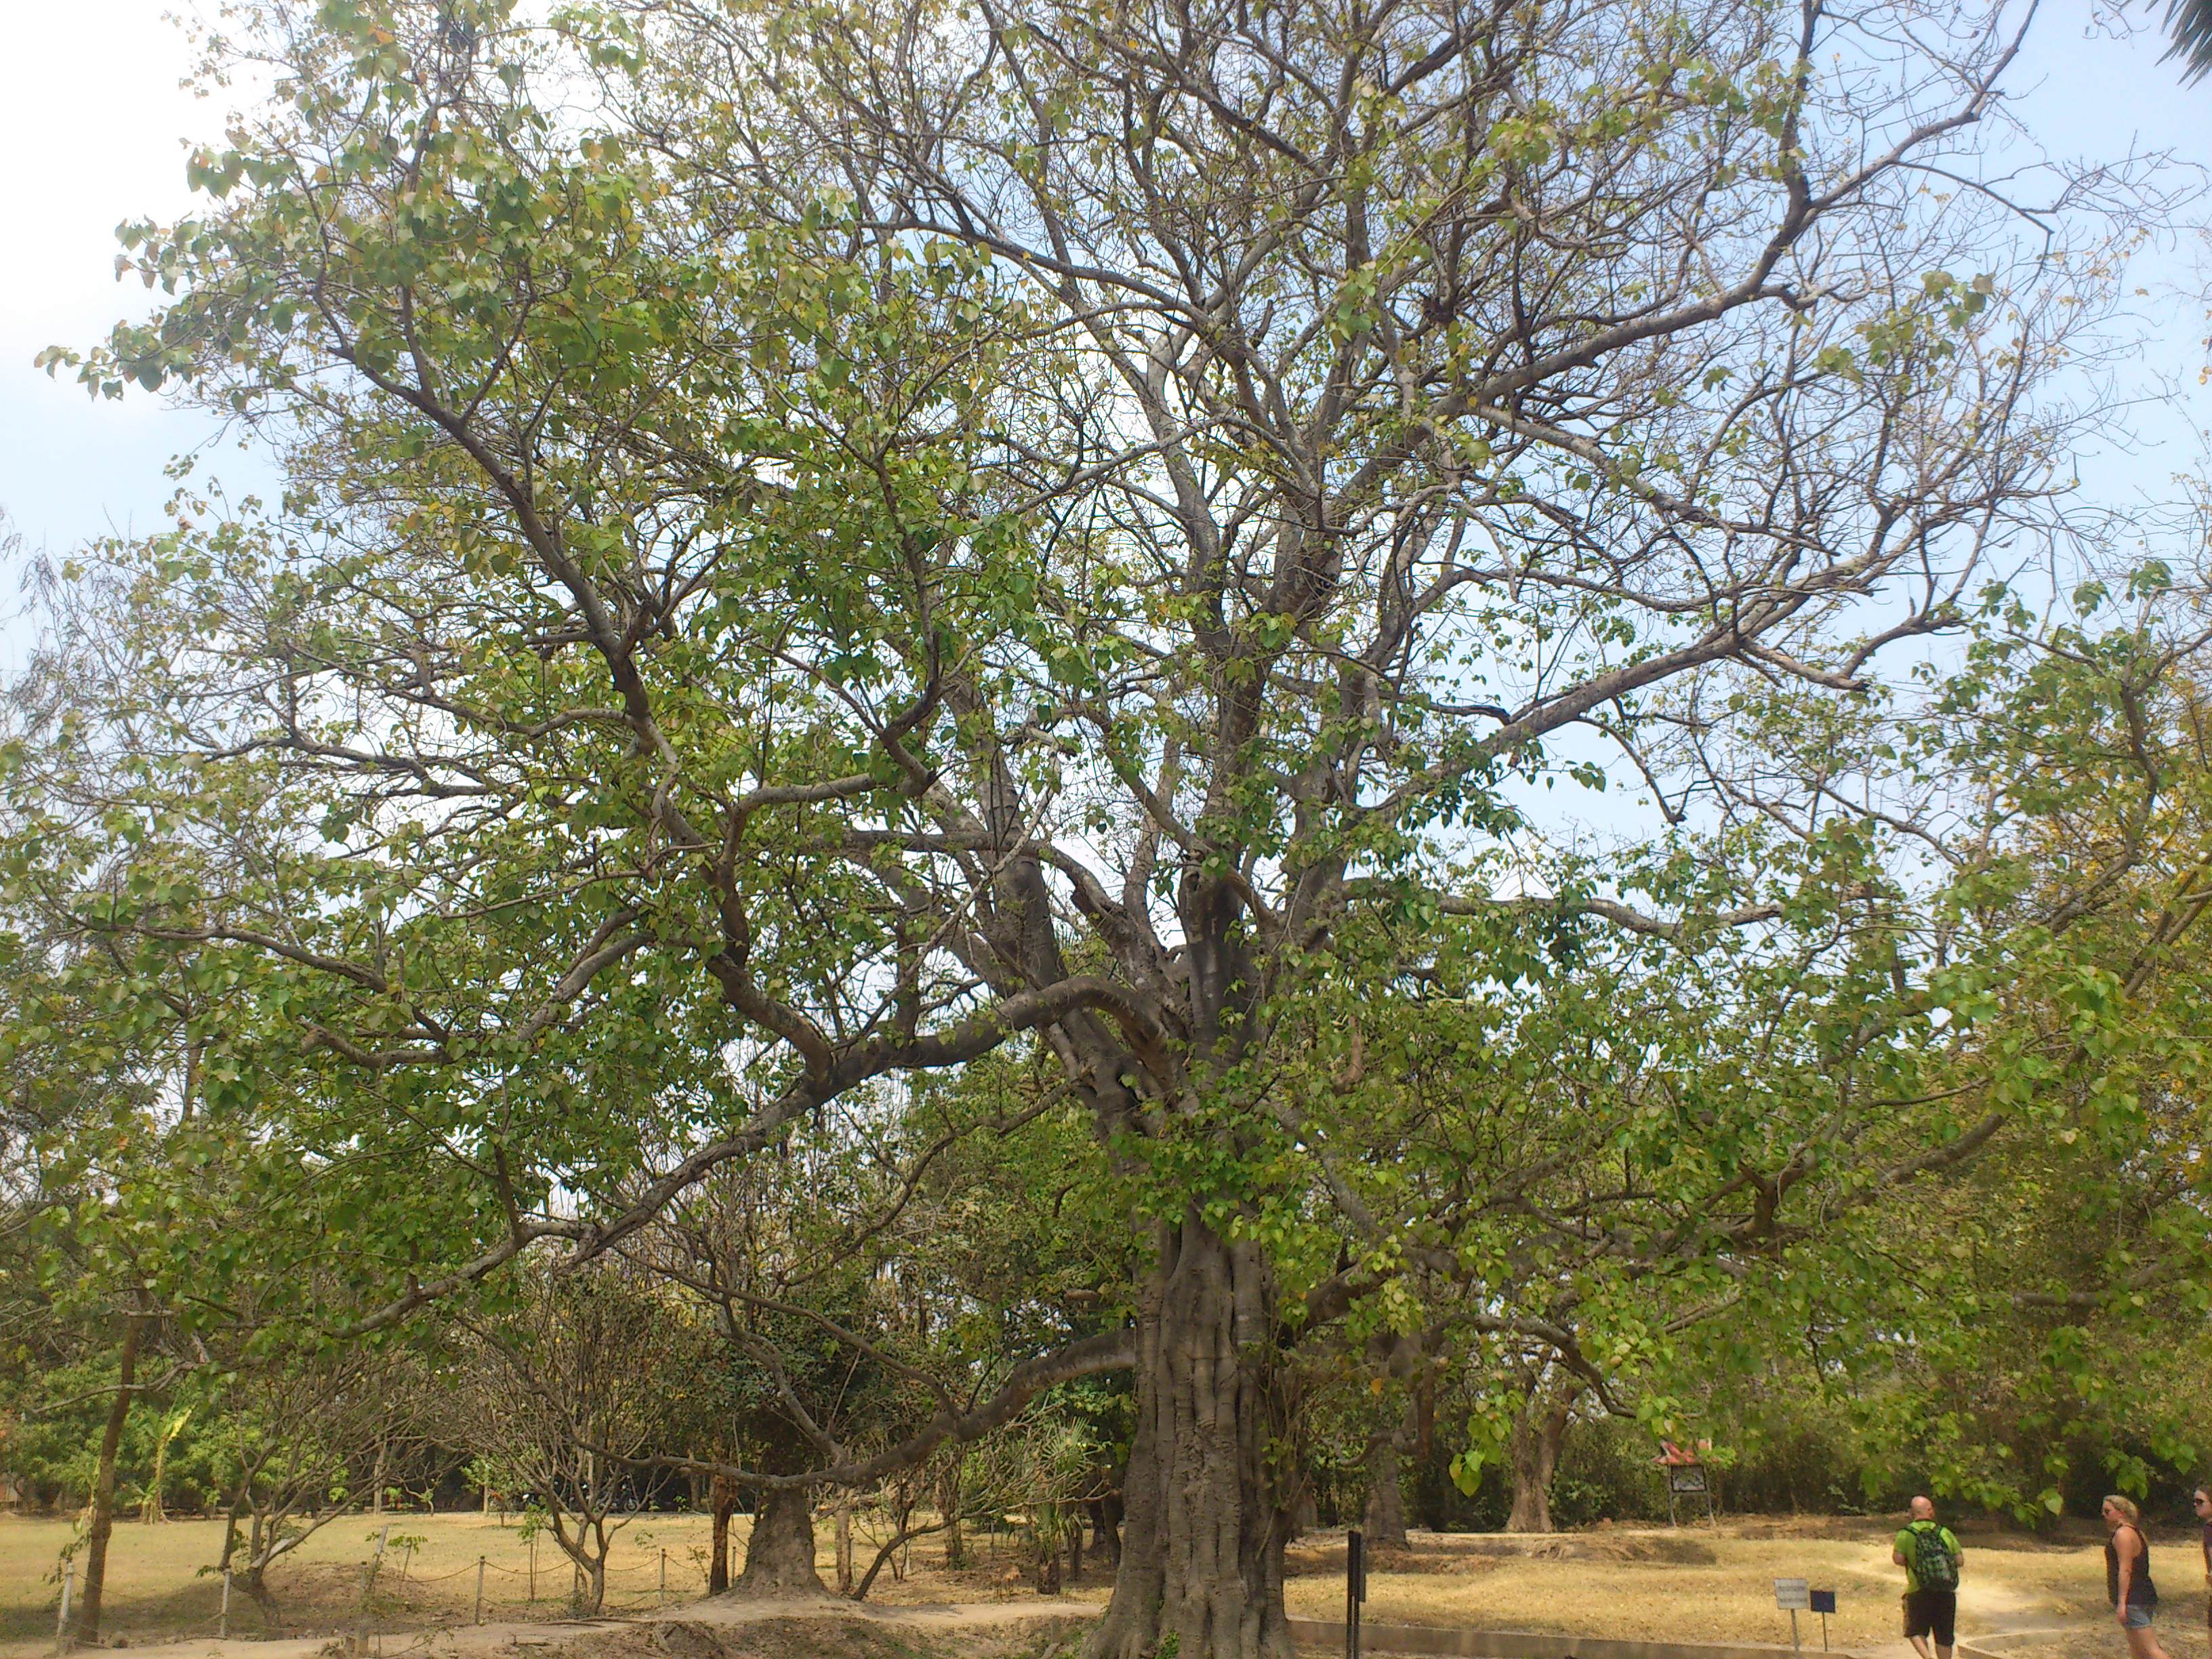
x=2189, y=22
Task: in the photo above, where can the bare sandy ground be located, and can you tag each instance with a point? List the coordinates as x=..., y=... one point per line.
x=781, y=1628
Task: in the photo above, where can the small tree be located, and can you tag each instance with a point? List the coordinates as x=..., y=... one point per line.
x=296, y=1437
x=567, y=1387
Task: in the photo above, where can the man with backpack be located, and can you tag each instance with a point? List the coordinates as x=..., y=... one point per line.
x=1931, y=1558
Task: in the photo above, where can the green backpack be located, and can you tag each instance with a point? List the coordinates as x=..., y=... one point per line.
x=1932, y=1563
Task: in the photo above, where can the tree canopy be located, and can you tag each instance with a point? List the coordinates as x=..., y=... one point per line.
x=903, y=572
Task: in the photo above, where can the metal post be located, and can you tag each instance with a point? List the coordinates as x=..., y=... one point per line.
x=1355, y=1588
x=480, y=1567
x=1793, y=1630
x=222, y=1621
x=1824, y=1632
x=61, y=1621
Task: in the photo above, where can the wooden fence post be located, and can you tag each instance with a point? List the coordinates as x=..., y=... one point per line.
x=368, y=1587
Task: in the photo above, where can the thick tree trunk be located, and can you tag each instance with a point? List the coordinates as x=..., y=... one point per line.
x=85, y=1628
x=1533, y=1453
x=256, y=1585
x=1106, y=1529
x=1202, y=1546
x=780, y=1553
x=948, y=1507
x=718, y=1566
x=1432, y=1503
x=1385, y=1520
x=1071, y=1520
x=844, y=1537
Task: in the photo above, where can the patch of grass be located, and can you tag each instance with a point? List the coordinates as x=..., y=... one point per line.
x=1697, y=1583
x=1700, y=1584
x=158, y=1588
x=158, y=1591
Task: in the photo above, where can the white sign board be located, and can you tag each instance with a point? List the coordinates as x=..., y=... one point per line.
x=1794, y=1595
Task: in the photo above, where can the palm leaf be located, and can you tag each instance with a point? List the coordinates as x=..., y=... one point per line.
x=2190, y=24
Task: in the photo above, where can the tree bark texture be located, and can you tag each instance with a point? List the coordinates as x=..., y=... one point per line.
x=591, y=1584
x=1533, y=1453
x=948, y=1506
x=255, y=1586
x=780, y=1553
x=86, y=1628
x=1203, y=1539
x=718, y=1564
x=844, y=1543
x=255, y=1582
x=1385, y=1518
x=1106, y=1529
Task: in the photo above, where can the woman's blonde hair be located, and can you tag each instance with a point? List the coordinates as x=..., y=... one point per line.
x=2127, y=1508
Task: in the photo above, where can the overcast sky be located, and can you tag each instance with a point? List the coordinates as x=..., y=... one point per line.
x=94, y=126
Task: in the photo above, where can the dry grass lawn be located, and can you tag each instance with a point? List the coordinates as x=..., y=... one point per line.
x=157, y=1589
x=1689, y=1585
x=1700, y=1584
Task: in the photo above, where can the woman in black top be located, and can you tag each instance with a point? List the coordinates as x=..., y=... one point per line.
x=2202, y=1498
x=2127, y=1579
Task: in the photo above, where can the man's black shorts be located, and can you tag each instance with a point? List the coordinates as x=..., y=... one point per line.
x=1933, y=1612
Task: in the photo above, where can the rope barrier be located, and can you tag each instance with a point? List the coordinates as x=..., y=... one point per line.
x=627, y=1586
x=649, y=1567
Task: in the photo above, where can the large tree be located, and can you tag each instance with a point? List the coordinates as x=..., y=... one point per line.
x=823, y=542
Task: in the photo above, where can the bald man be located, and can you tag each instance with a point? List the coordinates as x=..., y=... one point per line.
x=1931, y=1558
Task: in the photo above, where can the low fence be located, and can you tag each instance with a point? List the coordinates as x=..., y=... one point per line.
x=389, y=1595
x=1324, y=1635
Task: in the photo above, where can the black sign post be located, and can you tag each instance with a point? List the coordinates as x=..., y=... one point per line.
x=1355, y=1590
x=1824, y=1603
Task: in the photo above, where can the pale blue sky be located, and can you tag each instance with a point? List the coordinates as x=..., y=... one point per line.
x=94, y=125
